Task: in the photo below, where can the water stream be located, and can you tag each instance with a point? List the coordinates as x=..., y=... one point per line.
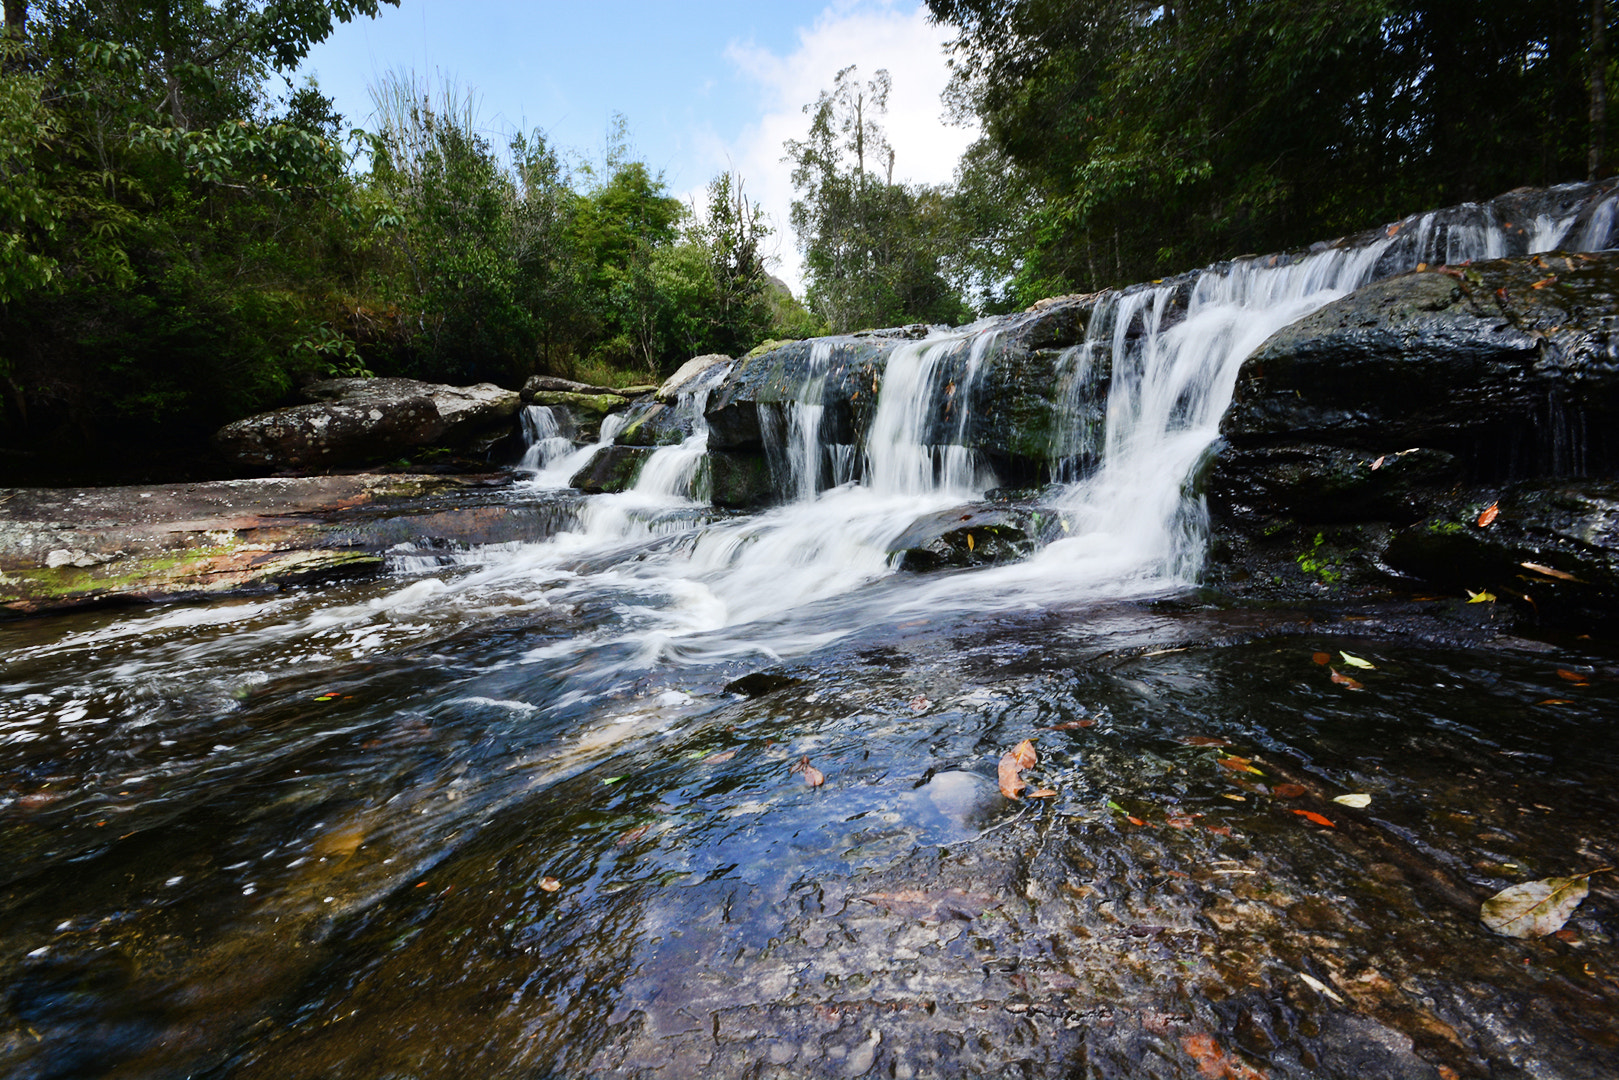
x=520, y=810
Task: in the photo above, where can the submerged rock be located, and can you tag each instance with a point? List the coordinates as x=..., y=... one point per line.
x=613, y=469
x=971, y=536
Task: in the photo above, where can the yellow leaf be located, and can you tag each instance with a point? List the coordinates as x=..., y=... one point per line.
x=969, y=541
x=1357, y=800
x=1480, y=597
x=1355, y=661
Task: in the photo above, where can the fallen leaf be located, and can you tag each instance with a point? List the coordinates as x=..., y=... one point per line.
x=1357, y=800
x=1378, y=464
x=1355, y=661
x=1239, y=764
x=715, y=759
x=1421, y=267
x=630, y=836
x=1233, y=797
x=814, y=777
x=969, y=541
x=1345, y=681
x=1545, y=281
x=932, y=906
x=1551, y=572
x=550, y=884
x=1181, y=821
x=1289, y=791
x=1392, y=229
x=1482, y=597
x=1024, y=752
x=1571, y=676
x=1213, y=1062
x=1071, y=725
x=1042, y=793
x=1535, y=908
x=1489, y=514
x=1133, y=819
x=919, y=703
x=1219, y=830
x=1320, y=987
x=1555, y=701
x=1010, y=775
x=1311, y=815
x=1203, y=740
x=1321, y=658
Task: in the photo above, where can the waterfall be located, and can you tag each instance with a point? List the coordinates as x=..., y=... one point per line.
x=544, y=440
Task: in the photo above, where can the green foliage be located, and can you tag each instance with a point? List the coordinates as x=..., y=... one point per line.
x=1124, y=140
x=871, y=246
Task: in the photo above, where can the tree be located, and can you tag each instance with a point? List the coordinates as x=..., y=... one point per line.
x=867, y=261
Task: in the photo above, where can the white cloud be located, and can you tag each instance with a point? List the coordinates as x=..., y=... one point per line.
x=870, y=35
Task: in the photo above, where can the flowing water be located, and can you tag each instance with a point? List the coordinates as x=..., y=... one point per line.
x=531, y=809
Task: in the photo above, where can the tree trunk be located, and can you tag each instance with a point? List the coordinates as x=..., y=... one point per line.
x=1599, y=89
x=16, y=19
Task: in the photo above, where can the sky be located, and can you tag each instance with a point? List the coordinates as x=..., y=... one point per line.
x=705, y=86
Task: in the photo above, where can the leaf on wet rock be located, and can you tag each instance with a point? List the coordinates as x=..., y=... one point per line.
x=932, y=905
x=1010, y=774
x=1572, y=676
x=1288, y=791
x=1535, y=908
x=1481, y=597
x=1070, y=725
x=1355, y=661
x=550, y=884
x=1320, y=987
x=1203, y=740
x=812, y=776
x=1378, y=464
x=1214, y=1062
x=1358, y=800
x=1024, y=752
x=716, y=759
x=1311, y=815
x=1488, y=514
x=1321, y=658
x=920, y=704
x=1550, y=571
x=1345, y=681
x=1239, y=764
x=1043, y=793
x=1555, y=701
x=630, y=836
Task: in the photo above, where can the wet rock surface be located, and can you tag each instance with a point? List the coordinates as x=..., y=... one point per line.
x=69, y=547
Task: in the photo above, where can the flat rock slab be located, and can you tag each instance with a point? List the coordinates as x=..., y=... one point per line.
x=66, y=547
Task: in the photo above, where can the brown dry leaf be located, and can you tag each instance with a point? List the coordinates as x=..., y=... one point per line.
x=1214, y=1062
x=1489, y=514
x=1289, y=791
x=715, y=759
x=1571, y=676
x=1421, y=267
x=550, y=884
x=1181, y=821
x=1010, y=775
x=1203, y=740
x=1219, y=830
x=1378, y=464
x=1345, y=681
x=1311, y=815
x=1071, y=725
x=1545, y=281
x=1024, y=752
x=630, y=836
x=1042, y=793
x=1555, y=701
x=1321, y=658
x=1239, y=764
x=814, y=777
x=1551, y=572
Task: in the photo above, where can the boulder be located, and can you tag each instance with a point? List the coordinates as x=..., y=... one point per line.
x=738, y=481
x=613, y=469
x=687, y=376
x=538, y=384
x=467, y=411
x=331, y=433
x=970, y=536
x=649, y=422
x=583, y=411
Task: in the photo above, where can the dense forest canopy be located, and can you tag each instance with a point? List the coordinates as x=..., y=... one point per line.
x=1139, y=138
x=188, y=232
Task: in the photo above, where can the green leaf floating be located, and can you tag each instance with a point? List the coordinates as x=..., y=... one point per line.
x=1535, y=908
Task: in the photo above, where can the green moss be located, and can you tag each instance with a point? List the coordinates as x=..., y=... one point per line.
x=1446, y=528
x=767, y=346
x=1319, y=564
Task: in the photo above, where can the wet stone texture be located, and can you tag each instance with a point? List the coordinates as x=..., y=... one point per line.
x=573, y=896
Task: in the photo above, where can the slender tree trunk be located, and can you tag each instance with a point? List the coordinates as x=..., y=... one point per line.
x=16, y=19
x=1599, y=89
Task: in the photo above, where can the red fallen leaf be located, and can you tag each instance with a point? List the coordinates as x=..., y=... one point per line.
x=1238, y=764
x=1555, y=701
x=1394, y=228
x=1571, y=676
x=630, y=836
x=1489, y=514
x=1134, y=820
x=1218, y=830
x=715, y=759
x=1345, y=681
x=1289, y=791
x=1545, y=281
x=1181, y=821
x=1311, y=815
x=1024, y=752
x=1203, y=740
x=1322, y=658
x=1501, y=294
x=1215, y=1063
x=1010, y=775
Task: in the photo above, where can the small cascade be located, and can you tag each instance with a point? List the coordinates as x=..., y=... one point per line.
x=558, y=468
x=792, y=437
x=544, y=439
x=915, y=443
